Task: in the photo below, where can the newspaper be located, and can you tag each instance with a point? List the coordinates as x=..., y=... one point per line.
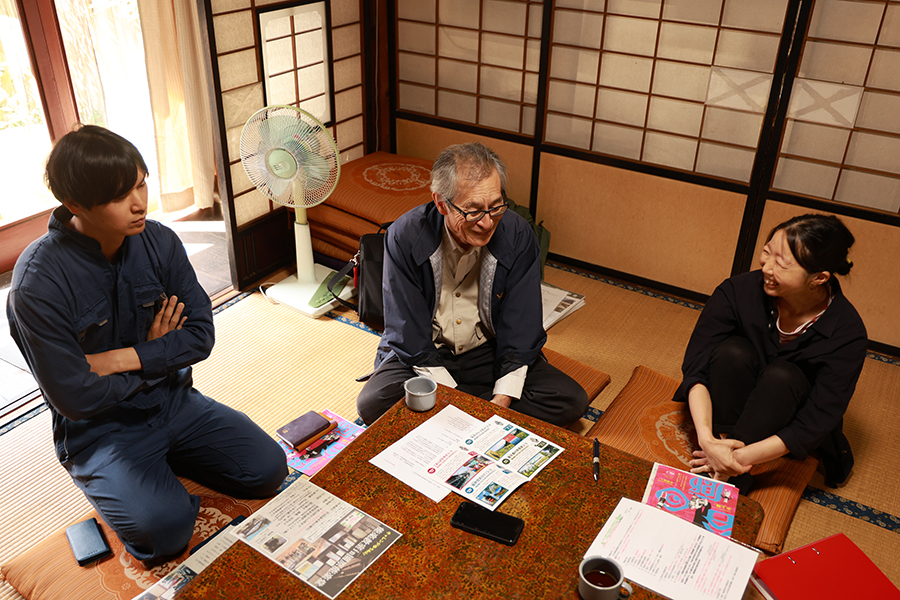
x=492, y=461
x=558, y=303
x=316, y=537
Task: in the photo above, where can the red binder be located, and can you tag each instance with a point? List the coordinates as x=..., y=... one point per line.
x=833, y=567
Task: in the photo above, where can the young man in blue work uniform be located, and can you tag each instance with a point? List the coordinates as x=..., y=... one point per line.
x=110, y=317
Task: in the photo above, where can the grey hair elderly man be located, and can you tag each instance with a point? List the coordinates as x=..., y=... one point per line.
x=462, y=298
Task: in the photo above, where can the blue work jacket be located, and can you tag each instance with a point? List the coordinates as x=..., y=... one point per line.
x=67, y=300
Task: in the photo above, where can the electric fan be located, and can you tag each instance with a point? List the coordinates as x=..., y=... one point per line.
x=291, y=158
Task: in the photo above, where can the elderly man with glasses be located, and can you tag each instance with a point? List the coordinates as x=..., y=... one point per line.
x=462, y=298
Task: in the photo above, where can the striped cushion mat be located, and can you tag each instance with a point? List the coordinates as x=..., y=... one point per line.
x=642, y=420
x=48, y=570
x=592, y=380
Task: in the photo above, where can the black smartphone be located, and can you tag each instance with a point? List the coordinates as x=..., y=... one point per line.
x=87, y=542
x=492, y=525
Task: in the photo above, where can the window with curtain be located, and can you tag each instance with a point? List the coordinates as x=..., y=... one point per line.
x=156, y=100
x=23, y=127
x=105, y=53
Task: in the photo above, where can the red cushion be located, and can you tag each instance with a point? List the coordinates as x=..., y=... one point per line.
x=377, y=188
x=592, y=380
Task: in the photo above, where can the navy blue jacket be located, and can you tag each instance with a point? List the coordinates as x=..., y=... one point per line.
x=509, y=291
x=67, y=300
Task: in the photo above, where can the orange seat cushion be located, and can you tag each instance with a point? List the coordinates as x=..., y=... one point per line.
x=644, y=421
x=377, y=188
x=48, y=571
x=592, y=380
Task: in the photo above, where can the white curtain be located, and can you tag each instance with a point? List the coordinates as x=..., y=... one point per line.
x=182, y=111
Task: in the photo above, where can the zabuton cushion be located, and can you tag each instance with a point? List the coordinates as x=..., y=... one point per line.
x=644, y=421
x=48, y=570
x=592, y=380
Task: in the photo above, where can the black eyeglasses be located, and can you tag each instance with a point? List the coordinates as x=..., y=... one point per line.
x=477, y=215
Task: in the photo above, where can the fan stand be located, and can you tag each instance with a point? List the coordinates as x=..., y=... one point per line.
x=297, y=291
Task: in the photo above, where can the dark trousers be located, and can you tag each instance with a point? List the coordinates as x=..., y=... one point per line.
x=549, y=394
x=751, y=403
x=130, y=476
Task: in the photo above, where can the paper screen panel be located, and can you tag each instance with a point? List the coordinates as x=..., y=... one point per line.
x=842, y=123
x=684, y=59
x=472, y=61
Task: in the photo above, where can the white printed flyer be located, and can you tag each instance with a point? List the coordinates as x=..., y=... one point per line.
x=317, y=537
x=673, y=557
x=492, y=461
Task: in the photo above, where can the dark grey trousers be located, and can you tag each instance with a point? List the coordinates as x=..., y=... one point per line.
x=130, y=475
x=549, y=394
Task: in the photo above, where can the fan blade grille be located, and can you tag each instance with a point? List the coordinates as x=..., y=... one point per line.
x=306, y=140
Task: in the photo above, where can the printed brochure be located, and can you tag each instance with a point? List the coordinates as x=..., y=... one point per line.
x=491, y=461
x=705, y=502
x=317, y=537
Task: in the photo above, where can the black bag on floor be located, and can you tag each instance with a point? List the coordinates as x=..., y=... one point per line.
x=367, y=268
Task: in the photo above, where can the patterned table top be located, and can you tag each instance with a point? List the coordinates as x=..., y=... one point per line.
x=563, y=509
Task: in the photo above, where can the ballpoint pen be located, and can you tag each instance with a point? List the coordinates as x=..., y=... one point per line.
x=596, y=459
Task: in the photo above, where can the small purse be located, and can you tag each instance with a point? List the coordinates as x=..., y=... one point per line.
x=367, y=266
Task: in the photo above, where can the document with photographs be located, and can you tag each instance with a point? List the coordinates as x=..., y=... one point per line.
x=490, y=462
x=167, y=587
x=558, y=303
x=317, y=537
x=408, y=458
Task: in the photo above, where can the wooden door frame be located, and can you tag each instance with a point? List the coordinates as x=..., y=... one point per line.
x=44, y=41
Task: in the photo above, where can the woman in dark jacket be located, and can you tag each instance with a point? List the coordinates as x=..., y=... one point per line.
x=775, y=357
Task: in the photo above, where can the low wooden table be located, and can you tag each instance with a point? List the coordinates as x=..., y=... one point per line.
x=563, y=509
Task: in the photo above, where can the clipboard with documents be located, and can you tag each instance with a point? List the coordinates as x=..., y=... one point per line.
x=833, y=567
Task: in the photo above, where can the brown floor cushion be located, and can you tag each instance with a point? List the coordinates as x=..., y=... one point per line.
x=331, y=250
x=642, y=420
x=592, y=380
x=48, y=570
x=372, y=190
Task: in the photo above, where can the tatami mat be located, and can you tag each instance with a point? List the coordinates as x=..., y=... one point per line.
x=871, y=426
x=618, y=329
x=814, y=522
x=38, y=497
x=274, y=363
